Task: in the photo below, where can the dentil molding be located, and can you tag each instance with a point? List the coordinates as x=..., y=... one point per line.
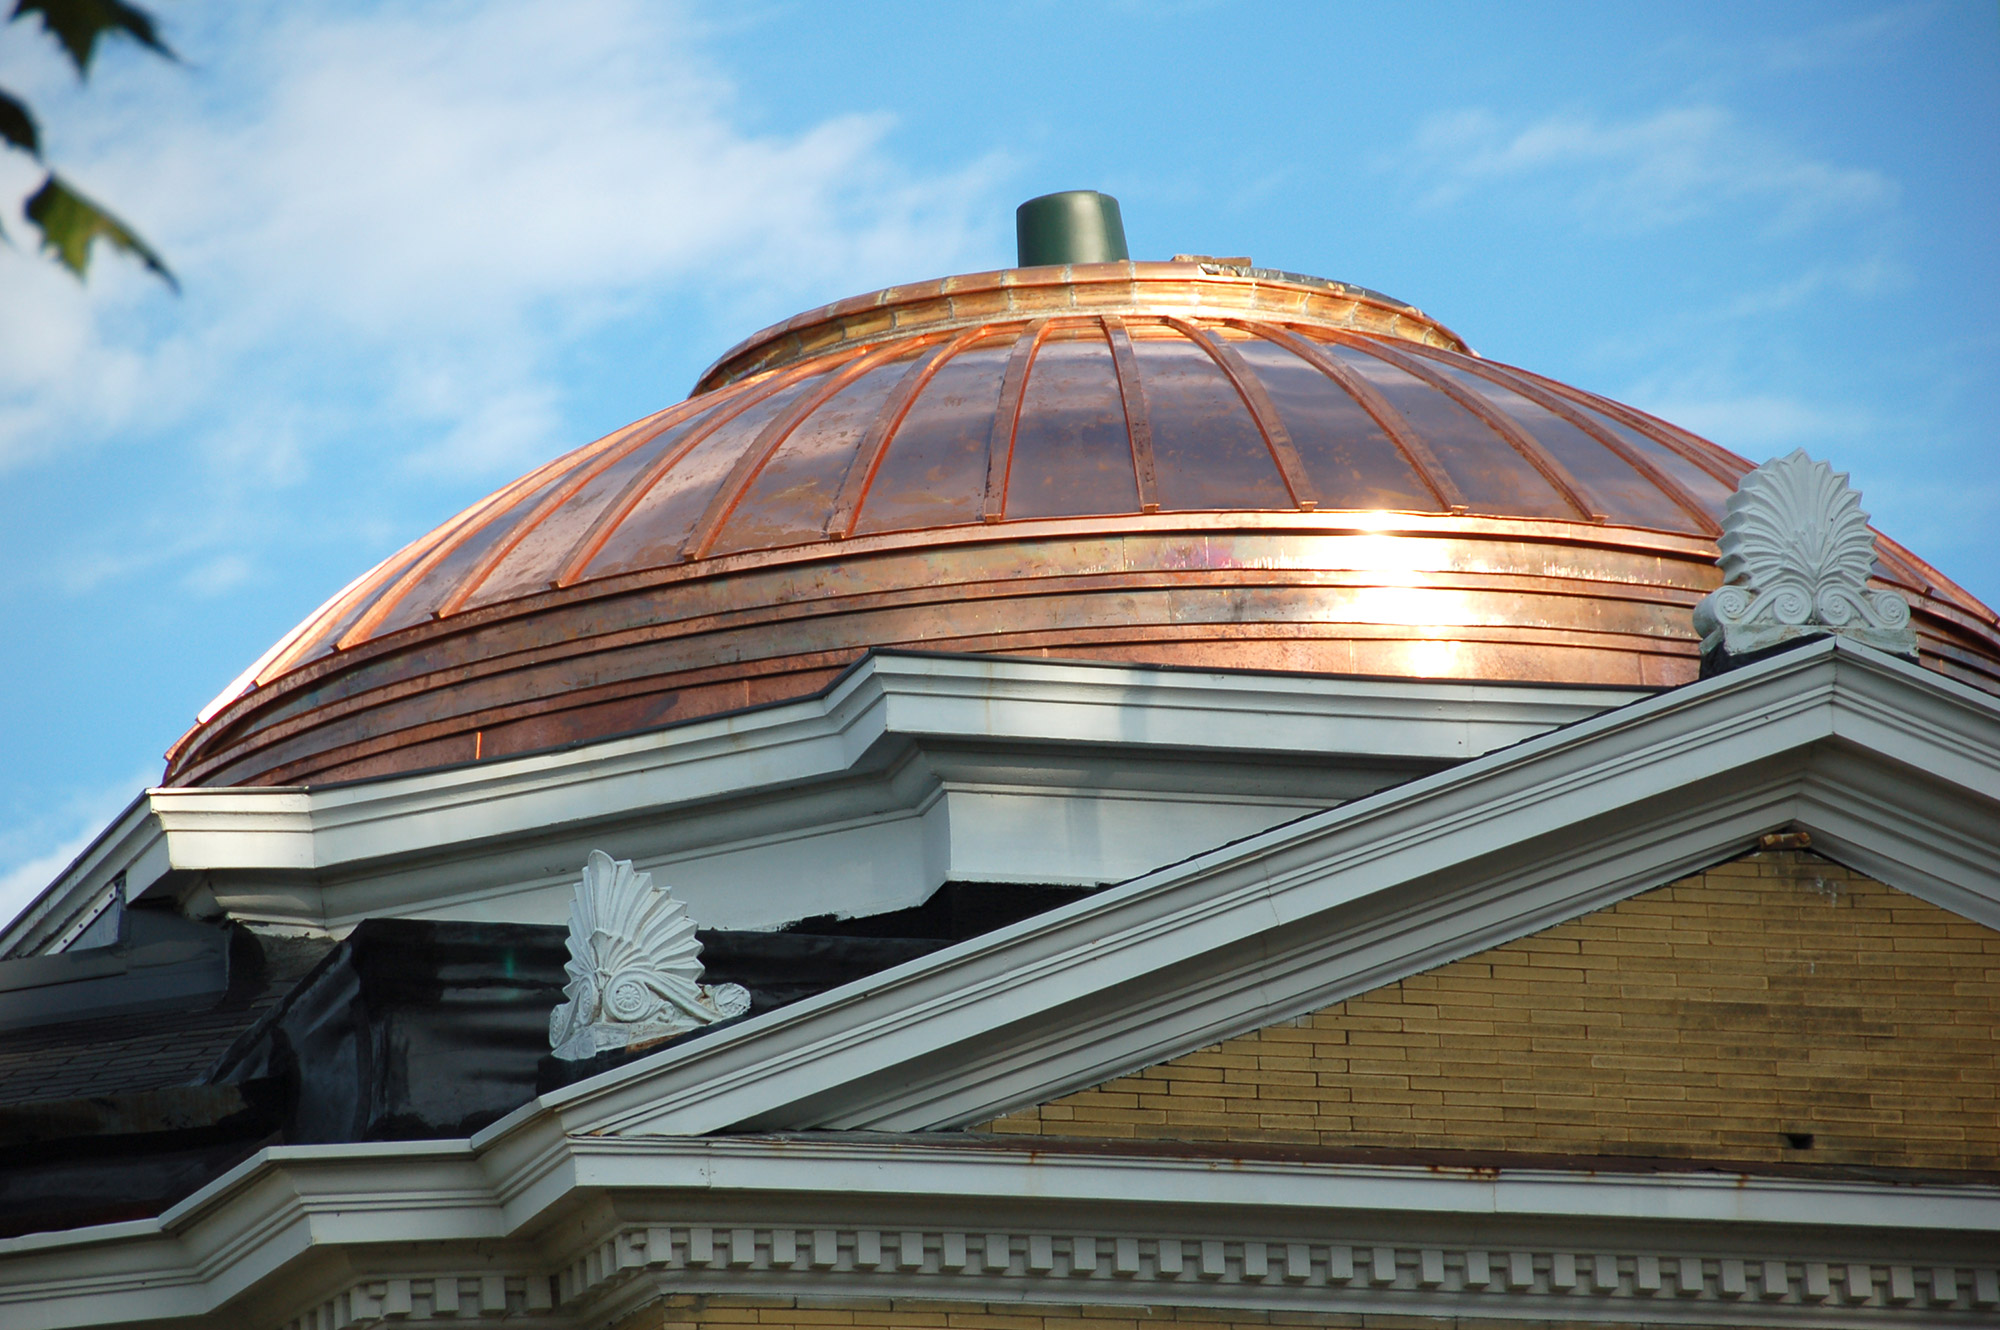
x=641, y=1264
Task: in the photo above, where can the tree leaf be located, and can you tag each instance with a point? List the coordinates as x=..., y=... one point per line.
x=17, y=127
x=70, y=224
x=77, y=24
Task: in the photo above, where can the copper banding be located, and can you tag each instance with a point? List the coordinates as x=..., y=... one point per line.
x=1138, y=426
x=1251, y=389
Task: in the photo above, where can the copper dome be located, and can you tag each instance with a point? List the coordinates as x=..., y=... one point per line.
x=1182, y=463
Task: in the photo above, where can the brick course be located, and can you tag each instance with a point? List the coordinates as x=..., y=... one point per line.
x=1776, y=996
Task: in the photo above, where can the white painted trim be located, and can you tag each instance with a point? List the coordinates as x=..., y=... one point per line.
x=298, y=1225
x=369, y=839
x=129, y=844
x=1340, y=902
x=1895, y=762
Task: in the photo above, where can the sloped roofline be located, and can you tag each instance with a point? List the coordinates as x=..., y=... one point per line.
x=308, y=836
x=1894, y=770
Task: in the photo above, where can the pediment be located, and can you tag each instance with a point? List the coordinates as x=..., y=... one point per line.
x=1775, y=1008
x=1891, y=769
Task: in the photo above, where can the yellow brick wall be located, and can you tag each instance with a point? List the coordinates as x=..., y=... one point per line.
x=1779, y=993
x=693, y=1312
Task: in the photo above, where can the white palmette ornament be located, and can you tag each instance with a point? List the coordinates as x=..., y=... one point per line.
x=634, y=966
x=1796, y=553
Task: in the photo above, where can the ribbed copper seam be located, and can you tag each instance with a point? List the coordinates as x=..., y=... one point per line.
x=1138, y=422
x=1269, y=424
x=1199, y=489
x=1007, y=421
x=1501, y=424
x=1408, y=442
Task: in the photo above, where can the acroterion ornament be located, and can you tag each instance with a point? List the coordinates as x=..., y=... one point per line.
x=634, y=967
x=1796, y=555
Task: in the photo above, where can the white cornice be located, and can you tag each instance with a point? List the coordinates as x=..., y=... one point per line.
x=1339, y=902
x=611, y=1187
x=297, y=1224
x=372, y=841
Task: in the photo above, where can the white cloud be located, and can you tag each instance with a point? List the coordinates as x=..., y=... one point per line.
x=1849, y=40
x=398, y=224
x=21, y=884
x=1865, y=279
x=1757, y=425
x=69, y=826
x=1638, y=174
x=213, y=577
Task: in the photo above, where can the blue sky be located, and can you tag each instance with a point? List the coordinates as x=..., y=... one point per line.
x=425, y=246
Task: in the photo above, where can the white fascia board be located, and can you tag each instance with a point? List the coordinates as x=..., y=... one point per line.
x=892, y=696
x=220, y=829
x=1302, y=915
x=243, y=1229
x=855, y=1173
x=240, y=1238
x=879, y=709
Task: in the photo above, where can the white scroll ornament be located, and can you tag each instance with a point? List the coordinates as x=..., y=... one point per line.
x=1796, y=554
x=634, y=966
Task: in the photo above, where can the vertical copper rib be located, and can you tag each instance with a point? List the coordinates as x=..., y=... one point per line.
x=750, y=464
x=639, y=486
x=1555, y=404
x=629, y=439
x=875, y=444
x=1905, y=569
x=350, y=595
x=1007, y=419
x=1486, y=413
x=290, y=644
x=1723, y=466
x=467, y=526
x=1262, y=410
x=1416, y=453
x=1138, y=425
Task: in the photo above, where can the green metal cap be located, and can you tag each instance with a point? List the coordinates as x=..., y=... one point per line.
x=1075, y=226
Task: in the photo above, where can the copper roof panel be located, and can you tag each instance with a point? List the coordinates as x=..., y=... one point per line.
x=658, y=525
x=934, y=471
x=792, y=497
x=1346, y=452
x=1621, y=491
x=1698, y=481
x=362, y=601
x=354, y=615
x=1492, y=476
x=1208, y=453
x=1143, y=462
x=539, y=551
x=1071, y=454
x=416, y=602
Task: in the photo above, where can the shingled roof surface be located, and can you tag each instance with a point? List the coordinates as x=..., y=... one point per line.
x=129, y=1052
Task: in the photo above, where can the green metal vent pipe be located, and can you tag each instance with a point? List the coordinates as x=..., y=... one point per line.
x=1075, y=226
